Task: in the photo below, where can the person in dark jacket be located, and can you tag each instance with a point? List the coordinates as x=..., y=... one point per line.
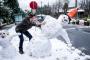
x=22, y=28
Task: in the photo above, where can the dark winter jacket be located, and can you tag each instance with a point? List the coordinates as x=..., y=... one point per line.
x=25, y=25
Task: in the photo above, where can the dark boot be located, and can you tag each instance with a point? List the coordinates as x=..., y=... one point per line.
x=21, y=51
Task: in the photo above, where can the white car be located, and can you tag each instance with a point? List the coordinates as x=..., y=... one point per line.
x=81, y=22
x=41, y=17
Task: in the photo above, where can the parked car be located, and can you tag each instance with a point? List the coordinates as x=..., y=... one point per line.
x=81, y=22
x=73, y=21
x=41, y=17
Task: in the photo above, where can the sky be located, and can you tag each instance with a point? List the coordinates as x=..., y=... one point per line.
x=24, y=4
x=71, y=3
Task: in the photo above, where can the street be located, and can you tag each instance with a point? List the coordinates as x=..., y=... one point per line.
x=79, y=36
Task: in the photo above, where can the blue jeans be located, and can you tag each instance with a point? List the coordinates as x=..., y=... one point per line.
x=26, y=33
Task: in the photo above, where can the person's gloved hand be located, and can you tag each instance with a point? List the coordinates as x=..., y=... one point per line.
x=43, y=23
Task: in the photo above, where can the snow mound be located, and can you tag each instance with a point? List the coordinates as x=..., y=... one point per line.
x=62, y=52
x=59, y=51
x=51, y=28
x=39, y=46
x=7, y=51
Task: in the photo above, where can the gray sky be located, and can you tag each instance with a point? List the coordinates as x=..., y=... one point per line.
x=24, y=4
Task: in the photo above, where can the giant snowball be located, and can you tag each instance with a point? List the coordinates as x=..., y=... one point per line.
x=39, y=47
x=7, y=51
x=51, y=28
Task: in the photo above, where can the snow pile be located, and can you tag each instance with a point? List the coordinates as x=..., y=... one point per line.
x=39, y=47
x=7, y=51
x=62, y=52
x=53, y=28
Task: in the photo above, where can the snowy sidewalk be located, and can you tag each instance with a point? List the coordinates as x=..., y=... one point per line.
x=7, y=26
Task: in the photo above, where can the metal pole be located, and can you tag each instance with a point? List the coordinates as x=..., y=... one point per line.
x=76, y=2
x=41, y=8
x=48, y=8
x=76, y=7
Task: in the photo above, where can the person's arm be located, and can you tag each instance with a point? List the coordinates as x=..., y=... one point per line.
x=36, y=22
x=39, y=23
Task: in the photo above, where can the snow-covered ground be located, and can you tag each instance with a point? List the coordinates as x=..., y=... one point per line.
x=44, y=45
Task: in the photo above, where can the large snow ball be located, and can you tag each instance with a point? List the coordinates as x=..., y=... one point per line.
x=51, y=28
x=8, y=53
x=7, y=50
x=39, y=47
x=63, y=19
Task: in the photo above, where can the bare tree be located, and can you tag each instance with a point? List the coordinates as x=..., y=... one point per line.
x=57, y=6
x=85, y=4
x=65, y=7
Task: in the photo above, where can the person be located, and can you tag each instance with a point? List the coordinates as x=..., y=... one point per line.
x=26, y=24
x=69, y=19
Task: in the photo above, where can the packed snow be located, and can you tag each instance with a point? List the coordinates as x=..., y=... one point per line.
x=7, y=51
x=44, y=45
x=53, y=26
